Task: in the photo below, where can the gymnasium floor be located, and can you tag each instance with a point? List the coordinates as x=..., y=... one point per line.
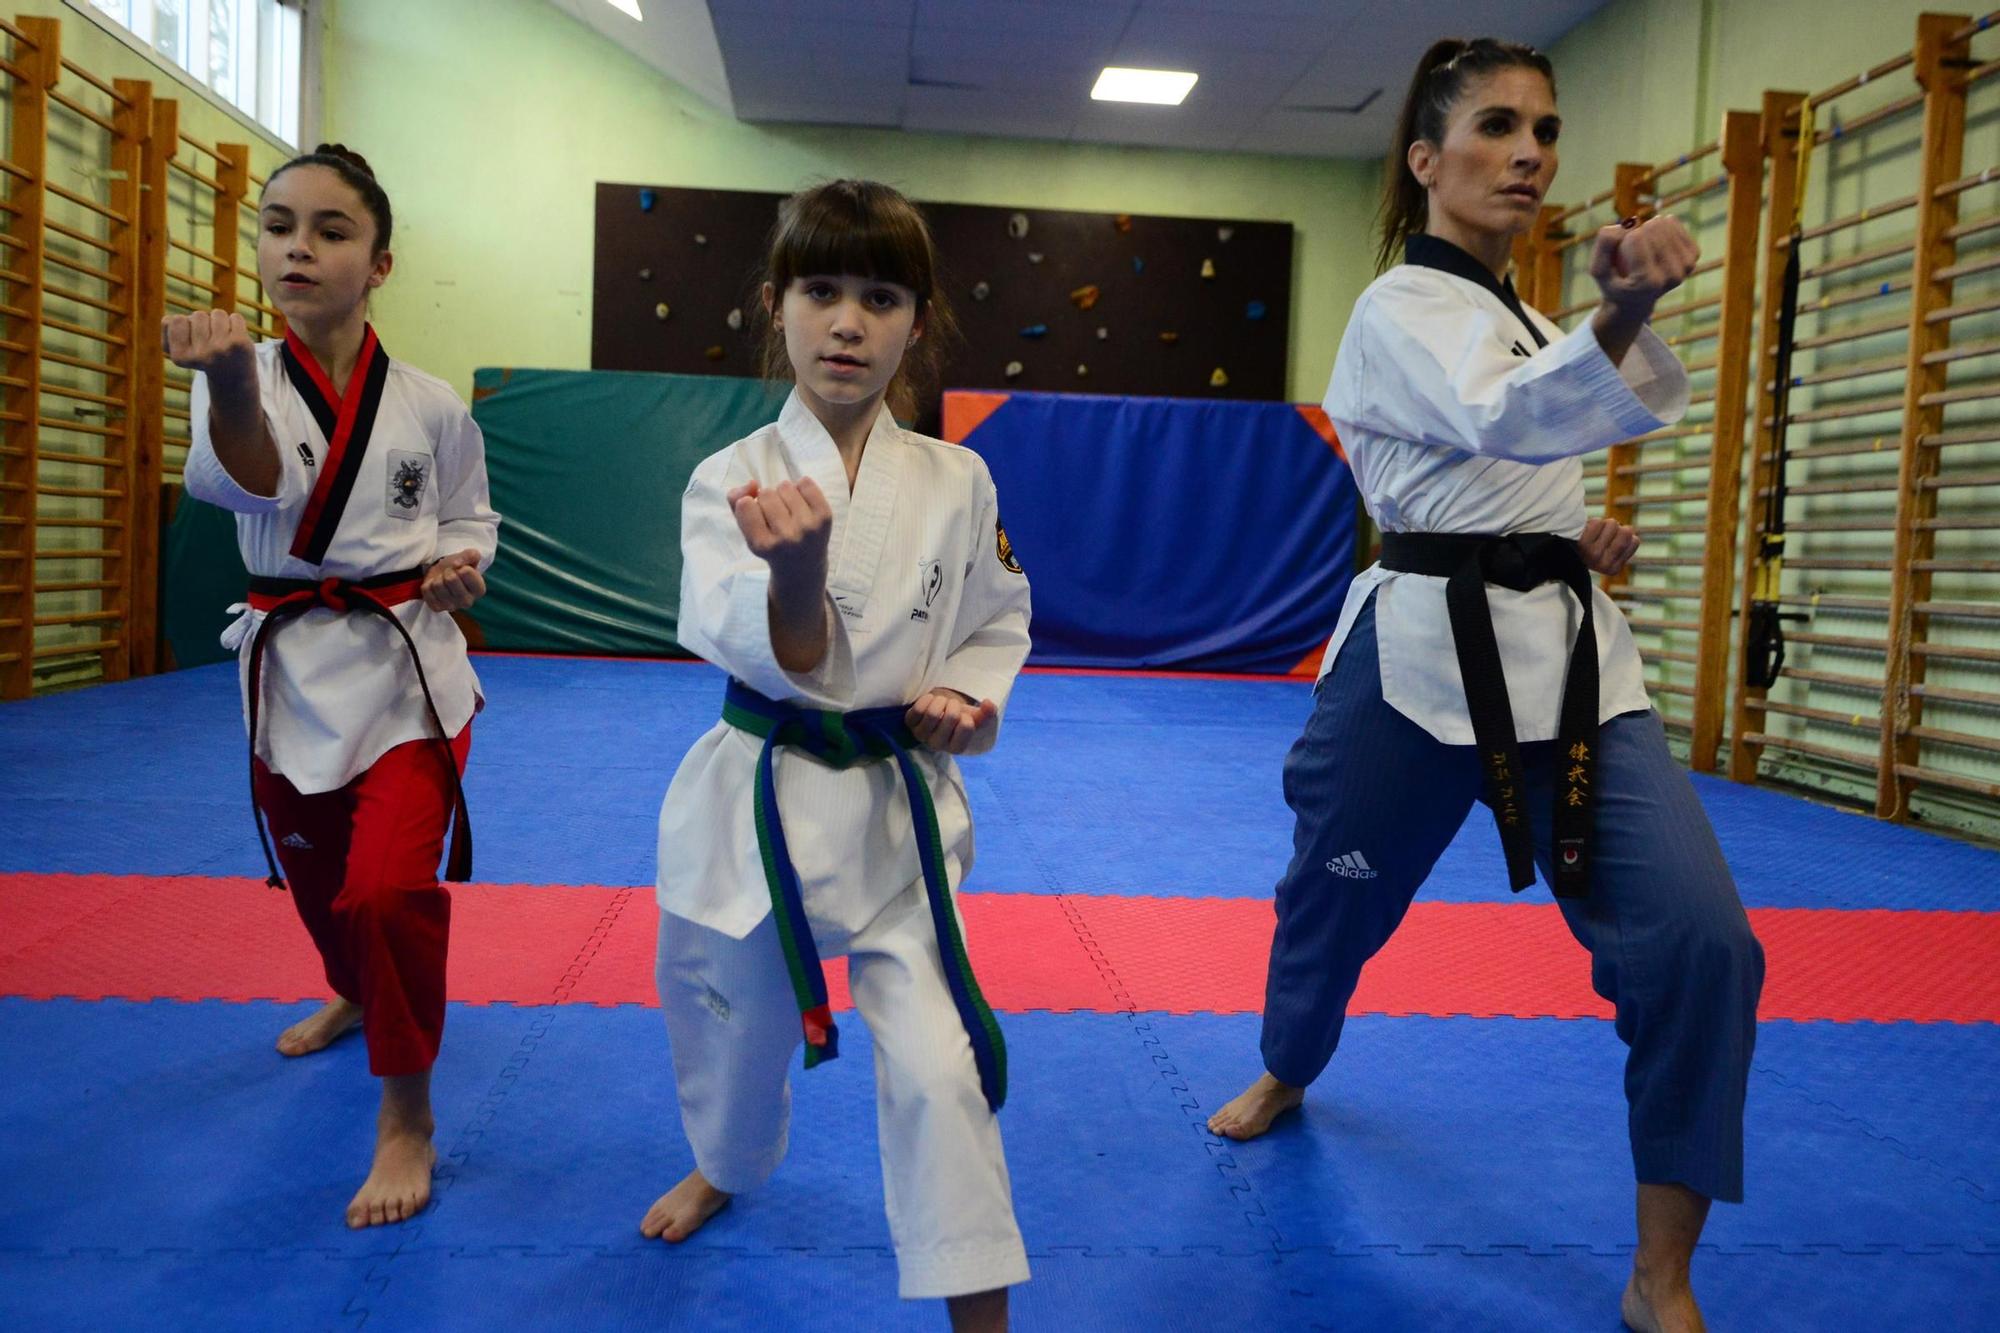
x=1462, y=1165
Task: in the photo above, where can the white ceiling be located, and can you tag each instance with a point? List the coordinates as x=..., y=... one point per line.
x=1320, y=78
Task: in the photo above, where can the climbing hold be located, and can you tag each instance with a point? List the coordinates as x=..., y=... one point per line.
x=714, y=353
x=1034, y=330
x=1169, y=337
x=1081, y=370
x=1218, y=379
x=1208, y=268
x=734, y=319
x=1017, y=225
x=1138, y=264
x=981, y=290
x=1014, y=369
x=1102, y=333
x=1255, y=310
x=661, y=311
x=700, y=239
x=645, y=275
x=1224, y=233
x=1123, y=222
x=646, y=198
x=1034, y=256
x=1085, y=297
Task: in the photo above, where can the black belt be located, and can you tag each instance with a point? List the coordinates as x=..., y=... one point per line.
x=285, y=600
x=1521, y=561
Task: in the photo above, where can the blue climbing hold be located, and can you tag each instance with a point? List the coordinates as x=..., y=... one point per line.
x=1034, y=330
x=646, y=198
x=1138, y=264
x=1255, y=310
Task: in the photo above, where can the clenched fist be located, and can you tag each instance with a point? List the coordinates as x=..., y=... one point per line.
x=949, y=721
x=788, y=527
x=1635, y=266
x=214, y=341
x=1607, y=545
x=453, y=582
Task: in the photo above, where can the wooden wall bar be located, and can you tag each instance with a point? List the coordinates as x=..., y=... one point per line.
x=1681, y=485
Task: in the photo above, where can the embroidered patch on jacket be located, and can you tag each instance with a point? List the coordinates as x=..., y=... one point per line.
x=930, y=574
x=1006, y=549
x=408, y=474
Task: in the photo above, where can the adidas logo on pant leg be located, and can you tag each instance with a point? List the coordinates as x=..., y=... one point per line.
x=1352, y=866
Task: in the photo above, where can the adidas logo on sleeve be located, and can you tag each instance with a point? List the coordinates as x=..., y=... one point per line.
x=1351, y=866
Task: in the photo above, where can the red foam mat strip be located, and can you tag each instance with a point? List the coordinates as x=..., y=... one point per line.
x=191, y=938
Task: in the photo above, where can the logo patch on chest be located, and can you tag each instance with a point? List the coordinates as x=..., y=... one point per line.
x=409, y=474
x=930, y=582
x=306, y=454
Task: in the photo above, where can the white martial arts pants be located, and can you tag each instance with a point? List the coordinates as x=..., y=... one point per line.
x=733, y=1026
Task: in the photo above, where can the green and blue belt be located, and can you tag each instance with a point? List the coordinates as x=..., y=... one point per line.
x=842, y=740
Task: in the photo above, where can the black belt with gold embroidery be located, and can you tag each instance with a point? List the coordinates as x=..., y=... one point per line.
x=1521, y=561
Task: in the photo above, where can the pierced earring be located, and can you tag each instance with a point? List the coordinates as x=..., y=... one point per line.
x=908, y=345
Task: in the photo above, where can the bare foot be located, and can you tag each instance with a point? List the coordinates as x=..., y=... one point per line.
x=1660, y=1307
x=320, y=1031
x=1253, y=1110
x=399, y=1183
x=682, y=1210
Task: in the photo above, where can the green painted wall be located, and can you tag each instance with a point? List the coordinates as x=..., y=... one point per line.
x=490, y=121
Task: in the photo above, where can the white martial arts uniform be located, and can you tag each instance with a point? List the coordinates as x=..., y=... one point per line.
x=1452, y=426
x=921, y=592
x=338, y=689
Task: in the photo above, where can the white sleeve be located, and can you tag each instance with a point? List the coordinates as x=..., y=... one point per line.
x=725, y=615
x=1433, y=369
x=990, y=637
x=466, y=520
x=206, y=479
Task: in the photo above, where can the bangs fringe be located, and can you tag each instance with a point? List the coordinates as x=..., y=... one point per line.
x=860, y=231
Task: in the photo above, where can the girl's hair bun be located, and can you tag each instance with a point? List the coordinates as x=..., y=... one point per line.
x=345, y=154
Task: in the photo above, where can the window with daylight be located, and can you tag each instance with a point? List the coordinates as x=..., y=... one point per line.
x=247, y=52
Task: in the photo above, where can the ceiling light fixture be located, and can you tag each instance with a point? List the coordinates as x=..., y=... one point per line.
x=1160, y=87
x=628, y=7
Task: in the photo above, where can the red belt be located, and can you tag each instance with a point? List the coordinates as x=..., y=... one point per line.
x=285, y=600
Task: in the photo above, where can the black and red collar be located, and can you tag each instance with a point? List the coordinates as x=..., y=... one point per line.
x=347, y=421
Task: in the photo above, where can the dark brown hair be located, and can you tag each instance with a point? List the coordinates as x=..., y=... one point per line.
x=861, y=229
x=353, y=169
x=1435, y=88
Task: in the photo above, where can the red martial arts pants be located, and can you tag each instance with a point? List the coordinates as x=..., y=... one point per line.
x=362, y=863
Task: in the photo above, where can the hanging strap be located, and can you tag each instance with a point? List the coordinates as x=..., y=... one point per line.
x=842, y=740
x=285, y=600
x=1522, y=561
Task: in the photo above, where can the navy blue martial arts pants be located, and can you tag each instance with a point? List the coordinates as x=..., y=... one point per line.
x=1377, y=798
